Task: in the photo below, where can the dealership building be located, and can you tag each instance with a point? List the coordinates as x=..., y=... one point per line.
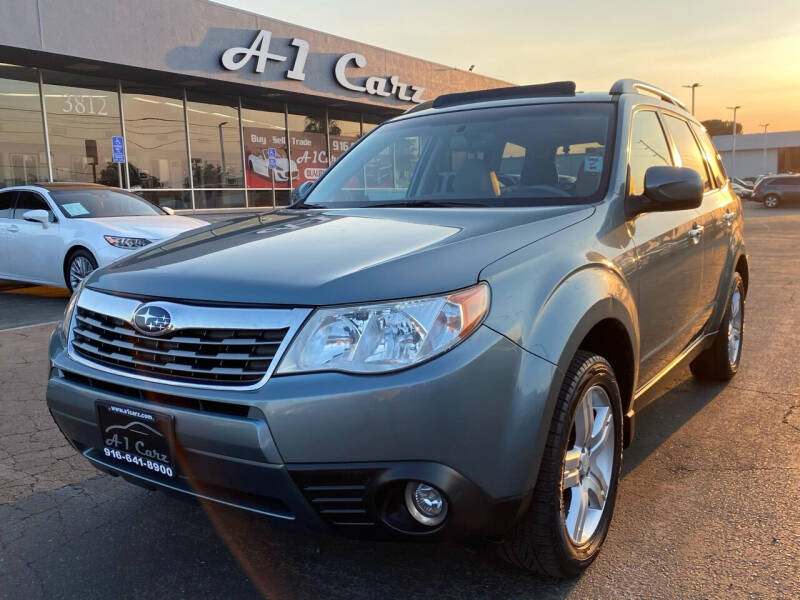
x=192, y=104
x=760, y=153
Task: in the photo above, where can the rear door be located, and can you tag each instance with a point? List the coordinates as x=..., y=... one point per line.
x=6, y=212
x=669, y=254
x=37, y=250
x=717, y=211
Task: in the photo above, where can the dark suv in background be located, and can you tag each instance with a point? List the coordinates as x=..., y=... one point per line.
x=777, y=190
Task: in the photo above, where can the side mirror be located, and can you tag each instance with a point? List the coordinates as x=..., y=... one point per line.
x=667, y=188
x=301, y=192
x=168, y=210
x=37, y=216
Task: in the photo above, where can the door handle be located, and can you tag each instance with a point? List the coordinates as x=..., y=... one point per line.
x=695, y=232
x=13, y=229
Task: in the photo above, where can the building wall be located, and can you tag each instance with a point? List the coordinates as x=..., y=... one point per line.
x=188, y=37
x=750, y=163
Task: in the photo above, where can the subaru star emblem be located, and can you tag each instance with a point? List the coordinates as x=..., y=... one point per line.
x=152, y=320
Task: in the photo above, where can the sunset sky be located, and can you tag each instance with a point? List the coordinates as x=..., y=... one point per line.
x=745, y=53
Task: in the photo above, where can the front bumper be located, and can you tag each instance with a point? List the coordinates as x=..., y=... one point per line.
x=332, y=450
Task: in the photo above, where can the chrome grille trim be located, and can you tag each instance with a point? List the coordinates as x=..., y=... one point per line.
x=211, y=347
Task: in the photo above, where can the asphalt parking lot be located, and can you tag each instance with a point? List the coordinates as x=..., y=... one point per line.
x=708, y=504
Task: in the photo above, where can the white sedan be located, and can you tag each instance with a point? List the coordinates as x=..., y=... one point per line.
x=58, y=233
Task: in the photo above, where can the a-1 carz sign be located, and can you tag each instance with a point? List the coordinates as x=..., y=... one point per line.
x=238, y=57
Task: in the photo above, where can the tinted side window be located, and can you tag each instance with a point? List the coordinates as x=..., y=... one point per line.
x=786, y=181
x=6, y=204
x=714, y=159
x=648, y=148
x=30, y=201
x=687, y=147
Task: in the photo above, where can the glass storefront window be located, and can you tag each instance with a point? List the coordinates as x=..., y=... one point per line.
x=218, y=198
x=23, y=158
x=371, y=122
x=308, y=143
x=264, y=197
x=82, y=116
x=156, y=137
x=343, y=129
x=175, y=199
x=215, y=144
x=264, y=130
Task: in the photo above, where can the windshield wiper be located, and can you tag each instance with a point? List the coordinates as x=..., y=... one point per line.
x=306, y=206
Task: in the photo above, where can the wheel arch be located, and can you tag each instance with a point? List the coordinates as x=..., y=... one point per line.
x=70, y=252
x=743, y=268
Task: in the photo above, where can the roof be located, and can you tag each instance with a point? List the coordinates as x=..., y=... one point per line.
x=755, y=141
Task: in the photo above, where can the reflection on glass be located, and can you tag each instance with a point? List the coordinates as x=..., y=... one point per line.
x=82, y=117
x=155, y=128
x=264, y=129
x=308, y=144
x=344, y=129
x=219, y=198
x=23, y=158
x=215, y=144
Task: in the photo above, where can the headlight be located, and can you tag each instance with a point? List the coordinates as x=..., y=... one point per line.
x=376, y=338
x=126, y=242
x=68, y=312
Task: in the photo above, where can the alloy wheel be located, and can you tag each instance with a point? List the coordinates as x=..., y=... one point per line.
x=771, y=201
x=588, y=464
x=735, y=324
x=79, y=268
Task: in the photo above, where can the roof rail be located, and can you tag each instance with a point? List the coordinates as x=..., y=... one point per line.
x=539, y=90
x=634, y=86
x=418, y=107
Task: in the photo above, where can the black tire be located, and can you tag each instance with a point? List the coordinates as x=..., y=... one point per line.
x=540, y=542
x=714, y=362
x=772, y=201
x=71, y=259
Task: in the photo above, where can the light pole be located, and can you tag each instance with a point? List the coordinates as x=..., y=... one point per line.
x=764, y=158
x=693, y=86
x=733, y=145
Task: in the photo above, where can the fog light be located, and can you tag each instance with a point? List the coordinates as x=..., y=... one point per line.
x=425, y=503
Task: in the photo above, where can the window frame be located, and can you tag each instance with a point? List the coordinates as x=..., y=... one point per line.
x=50, y=209
x=670, y=146
x=677, y=154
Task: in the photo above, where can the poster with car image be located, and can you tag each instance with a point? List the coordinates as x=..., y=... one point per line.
x=309, y=154
x=260, y=144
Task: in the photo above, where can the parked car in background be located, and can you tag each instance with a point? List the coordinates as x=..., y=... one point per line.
x=777, y=190
x=743, y=189
x=58, y=233
x=461, y=355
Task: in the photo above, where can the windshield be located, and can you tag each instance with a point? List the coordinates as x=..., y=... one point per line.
x=93, y=203
x=510, y=156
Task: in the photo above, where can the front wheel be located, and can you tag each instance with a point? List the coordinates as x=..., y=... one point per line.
x=81, y=263
x=721, y=361
x=771, y=201
x=574, y=496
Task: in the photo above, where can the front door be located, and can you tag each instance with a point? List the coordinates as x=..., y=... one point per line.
x=669, y=248
x=7, y=200
x=36, y=250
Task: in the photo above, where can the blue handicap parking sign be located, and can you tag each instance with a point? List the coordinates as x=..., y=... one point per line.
x=271, y=152
x=117, y=149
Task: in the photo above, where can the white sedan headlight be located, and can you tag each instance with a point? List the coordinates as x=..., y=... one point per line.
x=377, y=338
x=126, y=242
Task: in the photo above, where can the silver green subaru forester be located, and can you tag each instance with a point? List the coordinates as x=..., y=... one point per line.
x=449, y=334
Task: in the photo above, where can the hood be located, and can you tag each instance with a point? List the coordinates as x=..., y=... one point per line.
x=318, y=257
x=153, y=228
